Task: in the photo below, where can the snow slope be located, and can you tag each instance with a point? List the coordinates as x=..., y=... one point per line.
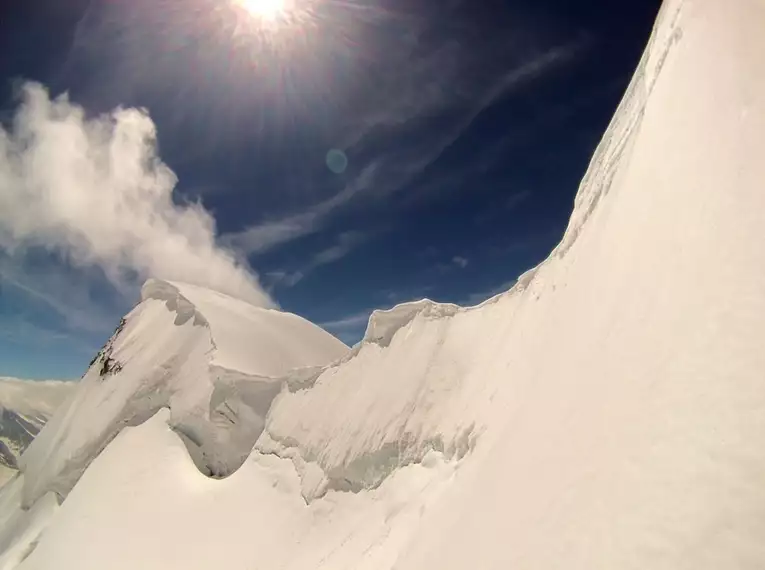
x=172, y=351
x=25, y=406
x=607, y=412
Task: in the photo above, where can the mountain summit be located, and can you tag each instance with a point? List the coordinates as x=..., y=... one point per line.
x=210, y=359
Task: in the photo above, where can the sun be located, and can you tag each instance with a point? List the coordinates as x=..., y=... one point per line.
x=267, y=10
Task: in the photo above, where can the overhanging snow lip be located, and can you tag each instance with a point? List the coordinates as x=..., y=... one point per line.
x=176, y=302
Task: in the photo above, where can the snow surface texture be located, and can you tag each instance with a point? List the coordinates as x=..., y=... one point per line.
x=168, y=352
x=607, y=412
x=25, y=406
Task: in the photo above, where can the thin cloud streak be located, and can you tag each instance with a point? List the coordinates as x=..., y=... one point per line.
x=265, y=236
x=351, y=321
x=461, y=262
x=23, y=332
x=388, y=173
x=349, y=329
x=346, y=243
x=59, y=292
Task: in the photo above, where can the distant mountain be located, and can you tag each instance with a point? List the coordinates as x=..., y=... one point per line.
x=25, y=406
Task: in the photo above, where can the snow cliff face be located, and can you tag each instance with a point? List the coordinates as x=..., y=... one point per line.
x=606, y=412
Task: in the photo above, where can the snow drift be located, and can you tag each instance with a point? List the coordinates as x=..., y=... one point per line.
x=607, y=412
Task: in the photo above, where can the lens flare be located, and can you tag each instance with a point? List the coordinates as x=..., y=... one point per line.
x=268, y=10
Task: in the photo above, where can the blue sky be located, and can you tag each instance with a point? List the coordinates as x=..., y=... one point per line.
x=466, y=126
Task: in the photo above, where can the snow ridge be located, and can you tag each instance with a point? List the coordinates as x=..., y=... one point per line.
x=383, y=324
x=611, y=157
x=174, y=301
x=167, y=353
x=607, y=413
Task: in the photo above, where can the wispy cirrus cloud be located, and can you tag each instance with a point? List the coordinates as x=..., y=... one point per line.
x=395, y=123
x=344, y=244
x=350, y=321
x=461, y=262
x=21, y=331
x=503, y=206
x=59, y=293
x=350, y=328
x=268, y=235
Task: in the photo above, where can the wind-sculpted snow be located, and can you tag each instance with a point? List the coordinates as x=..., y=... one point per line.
x=415, y=385
x=174, y=301
x=219, y=442
x=384, y=324
x=612, y=156
x=406, y=390
x=261, y=342
x=166, y=353
x=607, y=412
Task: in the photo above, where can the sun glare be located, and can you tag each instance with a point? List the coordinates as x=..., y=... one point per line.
x=268, y=10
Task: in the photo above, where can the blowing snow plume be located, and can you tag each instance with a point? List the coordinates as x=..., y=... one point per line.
x=94, y=191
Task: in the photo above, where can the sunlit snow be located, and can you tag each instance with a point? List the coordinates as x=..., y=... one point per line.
x=607, y=412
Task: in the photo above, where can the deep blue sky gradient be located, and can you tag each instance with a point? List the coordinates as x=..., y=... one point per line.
x=467, y=126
